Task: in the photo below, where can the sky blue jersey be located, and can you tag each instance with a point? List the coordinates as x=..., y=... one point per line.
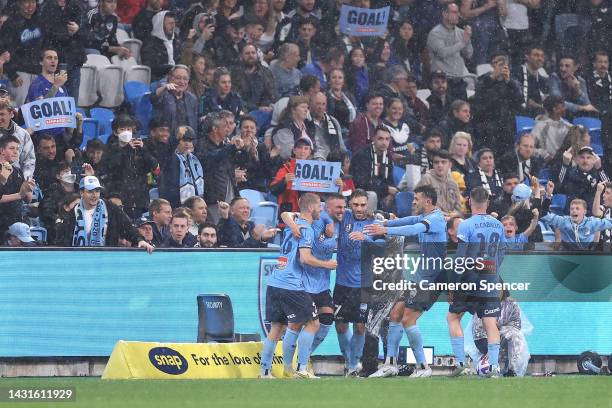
x=289, y=272
x=348, y=272
x=316, y=280
x=581, y=235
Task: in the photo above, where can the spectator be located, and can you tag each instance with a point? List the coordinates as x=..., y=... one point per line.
x=227, y=43
x=364, y=126
x=501, y=205
x=551, y=129
x=394, y=81
x=486, y=175
x=16, y=188
x=581, y=181
x=602, y=208
x=517, y=26
x=599, y=83
x=440, y=100
x=452, y=227
x=145, y=229
x=348, y=186
x=218, y=158
x=577, y=137
x=253, y=82
x=292, y=125
x=101, y=31
x=142, y=25
x=161, y=214
x=184, y=176
x=286, y=30
x=332, y=58
x=99, y=223
x=401, y=142
x=325, y=128
x=18, y=235
x=309, y=85
x=282, y=184
x=307, y=28
x=523, y=202
x=373, y=171
x=128, y=162
x=571, y=87
x=198, y=210
x=229, y=11
x=198, y=66
x=524, y=160
x=27, y=157
x=207, y=236
x=158, y=142
x=179, y=228
x=198, y=7
x=419, y=112
x=221, y=96
x=449, y=196
x=600, y=16
x=407, y=48
x=517, y=241
x=340, y=104
x=484, y=16
x=431, y=144
x=239, y=232
x=497, y=101
x=161, y=51
x=357, y=76
x=286, y=75
x=174, y=102
x=255, y=160
x=379, y=61
x=534, y=85
x=48, y=160
x=449, y=46
x=94, y=152
x=461, y=154
x=22, y=36
x=67, y=38
x=460, y=120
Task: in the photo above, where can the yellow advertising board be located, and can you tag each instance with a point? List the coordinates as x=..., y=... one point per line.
x=142, y=360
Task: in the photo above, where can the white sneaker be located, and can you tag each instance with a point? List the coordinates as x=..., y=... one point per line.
x=421, y=371
x=267, y=376
x=494, y=373
x=304, y=374
x=460, y=371
x=387, y=370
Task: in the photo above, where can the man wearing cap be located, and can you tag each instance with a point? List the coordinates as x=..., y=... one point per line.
x=18, y=235
x=99, y=223
x=439, y=100
x=27, y=158
x=183, y=178
x=524, y=160
x=581, y=181
x=145, y=228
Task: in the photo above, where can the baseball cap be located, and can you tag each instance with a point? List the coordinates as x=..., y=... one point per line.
x=3, y=89
x=438, y=74
x=143, y=221
x=188, y=133
x=521, y=192
x=586, y=149
x=305, y=140
x=89, y=183
x=21, y=231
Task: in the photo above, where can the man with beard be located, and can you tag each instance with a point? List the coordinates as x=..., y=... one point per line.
x=449, y=196
x=253, y=81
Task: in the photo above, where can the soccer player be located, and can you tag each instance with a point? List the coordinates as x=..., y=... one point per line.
x=287, y=303
x=350, y=308
x=481, y=237
x=430, y=227
x=316, y=280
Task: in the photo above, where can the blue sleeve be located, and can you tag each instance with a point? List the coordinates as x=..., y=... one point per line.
x=600, y=224
x=408, y=230
x=325, y=218
x=399, y=222
x=318, y=226
x=35, y=91
x=554, y=220
x=522, y=238
x=307, y=238
x=463, y=232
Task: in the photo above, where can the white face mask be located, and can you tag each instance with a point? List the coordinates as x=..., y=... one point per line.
x=125, y=136
x=68, y=178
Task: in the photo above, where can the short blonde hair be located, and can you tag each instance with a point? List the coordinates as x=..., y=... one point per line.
x=461, y=135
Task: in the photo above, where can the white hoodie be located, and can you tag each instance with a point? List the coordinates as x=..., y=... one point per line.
x=158, y=32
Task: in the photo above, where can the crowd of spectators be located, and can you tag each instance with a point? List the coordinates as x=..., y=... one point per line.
x=241, y=89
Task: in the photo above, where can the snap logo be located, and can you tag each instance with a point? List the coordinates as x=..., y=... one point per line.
x=167, y=360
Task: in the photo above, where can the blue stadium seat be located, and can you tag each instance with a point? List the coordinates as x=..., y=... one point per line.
x=524, y=124
x=557, y=204
x=593, y=125
x=39, y=234
x=253, y=196
x=143, y=110
x=398, y=174
x=263, y=121
x=403, y=203
x=90, y=131
x=544, y=175
x=134, y=90
x=265, y=213
x=105, y=119
x=153, y=194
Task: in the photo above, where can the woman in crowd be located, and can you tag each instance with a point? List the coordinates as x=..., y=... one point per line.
x=357, y=76
x=400, y=132
x=461, y=153
x=340, y=103
x=292, y=126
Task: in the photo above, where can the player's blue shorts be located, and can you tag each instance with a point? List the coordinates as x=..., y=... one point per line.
x=481, y=306
x=323, y=299
x=420, y=300
x=348, y=302
x=293, y=306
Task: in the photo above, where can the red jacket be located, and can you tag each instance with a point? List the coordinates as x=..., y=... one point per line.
x=127, y=10
x=287, y=198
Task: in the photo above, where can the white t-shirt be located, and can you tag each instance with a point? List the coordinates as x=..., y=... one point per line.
x=517, y=18
x=88, y=216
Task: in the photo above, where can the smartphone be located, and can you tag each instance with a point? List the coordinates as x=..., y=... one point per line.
x=62, y=67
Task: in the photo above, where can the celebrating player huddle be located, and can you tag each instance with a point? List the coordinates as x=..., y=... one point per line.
x=298, y=296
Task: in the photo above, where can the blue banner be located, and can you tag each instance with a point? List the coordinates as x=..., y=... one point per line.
x=315, y=175
x=49, y=113
x=362, y=22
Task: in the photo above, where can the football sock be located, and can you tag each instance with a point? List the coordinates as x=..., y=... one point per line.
x=396, y=331
x=458, y=349
x=289, y=341
x=493, y=351
x=320, y=336
x=416, y=343
x=344, y=340
x=357, y=343
x=304, y=343
x=267, y=354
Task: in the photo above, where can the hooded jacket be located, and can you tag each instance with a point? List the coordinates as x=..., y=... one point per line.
x=449, y=196
x=27, y=156
x=159, y=52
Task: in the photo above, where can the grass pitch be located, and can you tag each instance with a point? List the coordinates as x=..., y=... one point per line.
x=472, y=392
